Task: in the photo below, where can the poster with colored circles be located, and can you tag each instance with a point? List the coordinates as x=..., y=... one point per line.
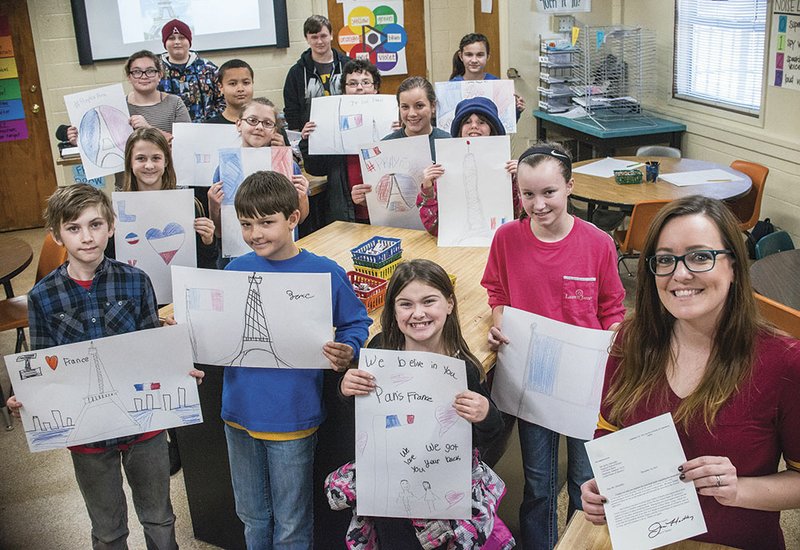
x=374, y=31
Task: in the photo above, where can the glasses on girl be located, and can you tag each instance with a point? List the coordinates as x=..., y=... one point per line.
x=149, y=73
x=255, y=121
x=696, y=261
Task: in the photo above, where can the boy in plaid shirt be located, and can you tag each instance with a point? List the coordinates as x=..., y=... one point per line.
x=88, y=297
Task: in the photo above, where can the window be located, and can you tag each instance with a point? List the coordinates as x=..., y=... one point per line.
x=719, y=53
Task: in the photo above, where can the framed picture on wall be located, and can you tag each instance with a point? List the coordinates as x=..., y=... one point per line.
x=114, y=29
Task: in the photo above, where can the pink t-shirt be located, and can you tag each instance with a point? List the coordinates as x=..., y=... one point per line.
x=574, y=280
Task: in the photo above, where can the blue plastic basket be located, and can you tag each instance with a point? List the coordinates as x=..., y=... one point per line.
x=364, y=251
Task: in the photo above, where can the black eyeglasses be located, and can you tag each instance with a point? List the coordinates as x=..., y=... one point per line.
x=696, y=261
x=366, y=84
x=255, y=121
x=149, y=73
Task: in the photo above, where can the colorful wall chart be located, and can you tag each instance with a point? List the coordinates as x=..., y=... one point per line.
x=12, y=115
x=784, y=46
x=374, y=31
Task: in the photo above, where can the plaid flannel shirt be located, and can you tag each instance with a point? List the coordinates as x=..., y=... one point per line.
x=60, y=311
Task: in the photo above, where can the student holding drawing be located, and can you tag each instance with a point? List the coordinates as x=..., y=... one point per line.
x=473, y=118
x=91, y=296
x=469, y=63
x=696, y=347
x=343, y=171
x=556, y=265
x=421, y=314
x=272, y=415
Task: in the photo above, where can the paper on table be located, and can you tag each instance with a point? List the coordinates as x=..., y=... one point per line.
x=636, y=469
x=551, y=373
x=603, y=168
x=700, y=177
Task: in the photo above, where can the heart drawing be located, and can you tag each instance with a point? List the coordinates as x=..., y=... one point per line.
x=166, y=242
x=446, y=417
x=453, y=497
x=52, y=361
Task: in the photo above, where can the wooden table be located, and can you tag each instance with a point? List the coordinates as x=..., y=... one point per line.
x=599, y=191
x=776, y=277
x=583, y=535
x=15, y=256
x=603, y=142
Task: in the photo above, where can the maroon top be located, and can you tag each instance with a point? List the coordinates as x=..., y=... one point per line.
x=354, y=178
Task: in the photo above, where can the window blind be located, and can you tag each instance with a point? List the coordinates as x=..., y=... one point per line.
x=719, y=52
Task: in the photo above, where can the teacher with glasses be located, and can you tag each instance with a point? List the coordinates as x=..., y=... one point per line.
x=695, y=346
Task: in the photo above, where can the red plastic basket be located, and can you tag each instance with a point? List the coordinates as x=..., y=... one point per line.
x=372, y=298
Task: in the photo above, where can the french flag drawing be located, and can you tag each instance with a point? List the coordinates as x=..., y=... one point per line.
x=147, y=386
x=166, y=242
x=346, y=122
x=132, y=238
x=371, y=152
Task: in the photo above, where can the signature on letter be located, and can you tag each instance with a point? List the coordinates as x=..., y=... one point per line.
x=656, y=528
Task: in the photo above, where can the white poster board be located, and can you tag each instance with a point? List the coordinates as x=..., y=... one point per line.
x=346, y=122
x=234, y=166
x=413, y=451
x=195, y=150
x=155, y=230
x=102, y=119
x=241, y=319
x=474, y=194
x=374, y=30
x=551, y=373
x=105, y=388
x=394, y=170
x=501, y=92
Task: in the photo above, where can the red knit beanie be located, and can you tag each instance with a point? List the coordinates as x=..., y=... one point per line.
x=175, y=26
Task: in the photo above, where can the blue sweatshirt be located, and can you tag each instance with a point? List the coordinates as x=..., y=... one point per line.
x=290, y=400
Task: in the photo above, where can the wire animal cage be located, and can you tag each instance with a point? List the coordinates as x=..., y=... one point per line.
x=615, y=73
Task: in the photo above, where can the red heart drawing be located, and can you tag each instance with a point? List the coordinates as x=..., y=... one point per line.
x=52, y=361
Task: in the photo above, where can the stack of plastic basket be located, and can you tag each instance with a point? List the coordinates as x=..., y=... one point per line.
x=378, y=256
x=370, y=290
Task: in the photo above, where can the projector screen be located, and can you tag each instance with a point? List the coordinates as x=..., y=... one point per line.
x=114, y=29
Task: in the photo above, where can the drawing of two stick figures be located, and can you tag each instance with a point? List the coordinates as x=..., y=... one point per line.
x=407, y=496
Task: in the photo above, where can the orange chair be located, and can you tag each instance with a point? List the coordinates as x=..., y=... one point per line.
x=748, y=208
x=14, y=310
x=783, y=317
x=630, y=241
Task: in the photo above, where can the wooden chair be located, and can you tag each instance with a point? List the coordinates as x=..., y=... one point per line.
x=779, y=241
x=14, y=311
x=658, y=151
x=748, y=208
x=631, y=240
x=783, y=317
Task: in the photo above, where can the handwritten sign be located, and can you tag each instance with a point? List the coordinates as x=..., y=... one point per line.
x=563, y=6
x=413, y=452
x=784, y=46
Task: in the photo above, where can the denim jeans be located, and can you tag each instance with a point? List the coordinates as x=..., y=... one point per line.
x=538, y=515
x=99, y=478
x=272, y=487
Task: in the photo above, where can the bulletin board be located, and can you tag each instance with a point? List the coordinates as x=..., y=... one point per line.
x=784, y=46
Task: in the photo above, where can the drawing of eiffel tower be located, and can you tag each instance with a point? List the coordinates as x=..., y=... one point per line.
x=257, y=348
x=395, y=201
x=103, y=411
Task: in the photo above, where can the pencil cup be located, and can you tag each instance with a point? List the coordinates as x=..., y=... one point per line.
x=652, y=170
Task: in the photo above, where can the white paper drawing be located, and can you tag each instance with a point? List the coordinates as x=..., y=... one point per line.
x=474, y=193
x=551, y=373
x=346, y=122
x=240, y=319
x=394, y=169
x=101, y=117
x=155, y=230
x=234, y=166
x=195, y=150
x=105, y=388
x=449, y=93
x=413, y=451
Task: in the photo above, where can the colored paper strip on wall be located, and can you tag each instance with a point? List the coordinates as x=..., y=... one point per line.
x=13, y=130
x=8, y=67
x=11, y=110
x=9, y=89
x=6, y=47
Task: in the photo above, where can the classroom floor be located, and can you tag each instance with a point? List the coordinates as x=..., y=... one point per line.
x=41, y=506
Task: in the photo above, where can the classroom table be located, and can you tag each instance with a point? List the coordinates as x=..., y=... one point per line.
x=597, y=191
x=603, y=142
x=776, y=277
x=582, y=534
x=202, y=446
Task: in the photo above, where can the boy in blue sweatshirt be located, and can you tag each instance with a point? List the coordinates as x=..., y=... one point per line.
x=272, y=415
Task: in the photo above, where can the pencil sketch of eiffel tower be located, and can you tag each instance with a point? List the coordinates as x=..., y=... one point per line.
x=257, y=349
x=103, y=411
x=475, y=218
